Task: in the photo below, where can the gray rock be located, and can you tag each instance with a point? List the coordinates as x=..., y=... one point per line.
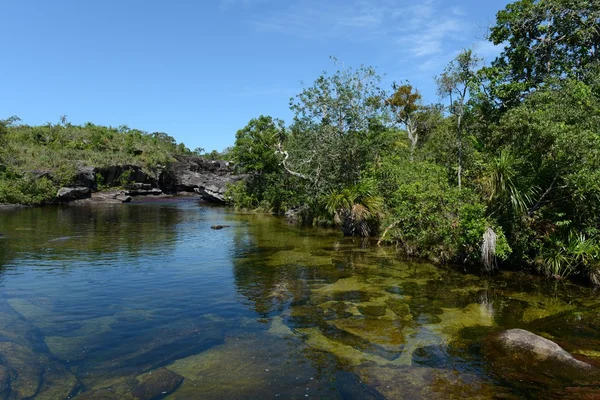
x=123, y=199
x=144, y=192
x=218, y=227
x=517, y=355
x=212, y=193
x=67, y=194
x=86, y=177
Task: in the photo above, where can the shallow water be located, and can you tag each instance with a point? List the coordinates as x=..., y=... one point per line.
x=144, y=300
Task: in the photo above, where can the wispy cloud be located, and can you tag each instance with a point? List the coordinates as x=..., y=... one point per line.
x=422, y=30
x=415, y=40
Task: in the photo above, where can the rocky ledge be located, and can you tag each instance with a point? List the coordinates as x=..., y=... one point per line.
x=208, y=178
x=188, y=174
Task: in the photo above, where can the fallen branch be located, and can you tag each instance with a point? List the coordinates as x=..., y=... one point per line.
x=386, y=231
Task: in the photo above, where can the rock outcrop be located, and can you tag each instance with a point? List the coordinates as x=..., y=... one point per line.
x=85, y=177
x=119, y=175
x=188, y=174
x=195, y=174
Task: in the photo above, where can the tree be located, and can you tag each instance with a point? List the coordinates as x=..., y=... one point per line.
x=255, y=146
x=199, y=151
x=406, y=105
x=456, y=83
x=357, y=209
x=337, y=129
x=543, y=39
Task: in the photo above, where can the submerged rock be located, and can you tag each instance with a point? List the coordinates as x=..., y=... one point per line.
x=250, y=367
x=424, y=383
x=5, y=379
x=34, y=373
x=156, y=384
x=520, y=356
x=218, y=227
x=380, y=332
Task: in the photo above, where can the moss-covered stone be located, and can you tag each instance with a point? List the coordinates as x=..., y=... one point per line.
x=425, y=383
x=347, y=354
x=243, y=368
x=33, y=373
x=530, y=361
x=381, y=332
x=156, y=384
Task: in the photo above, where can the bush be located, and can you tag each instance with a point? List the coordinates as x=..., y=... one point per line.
x=429, y=218
x=26, y=189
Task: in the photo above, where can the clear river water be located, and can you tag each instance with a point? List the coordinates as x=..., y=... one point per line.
x=146, y=301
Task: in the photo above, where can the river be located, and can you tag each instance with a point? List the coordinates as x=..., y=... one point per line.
x=145, y=300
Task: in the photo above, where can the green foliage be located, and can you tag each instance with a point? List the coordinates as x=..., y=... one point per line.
x=577, y=253
x=239, y=195
x=544, y=39
x=54, y=151
x=509, y=171
x=25, y=189
x=357, y=209
x=49, y=146
x=255, y=146
x=430, y=218
x=339, y=127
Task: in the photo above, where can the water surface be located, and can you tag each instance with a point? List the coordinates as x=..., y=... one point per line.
x=95, y=300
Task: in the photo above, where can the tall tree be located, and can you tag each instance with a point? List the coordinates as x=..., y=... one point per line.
x=255, y=145
x=336, y=129
x=543, y=39
x=406, y=105
x=457, y=82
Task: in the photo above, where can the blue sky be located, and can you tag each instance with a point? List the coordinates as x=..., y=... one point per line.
x=200, y=70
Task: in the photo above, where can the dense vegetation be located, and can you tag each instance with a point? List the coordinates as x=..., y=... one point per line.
x=36, y=160
x=506, y=170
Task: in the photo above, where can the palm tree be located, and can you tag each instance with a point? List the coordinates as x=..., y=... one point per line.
x=356, y=209
x=504, y=190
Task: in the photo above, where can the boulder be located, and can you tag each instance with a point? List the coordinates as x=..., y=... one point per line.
x=66, y=194
x=85, y=177
x=517, y=355
x=213, y=193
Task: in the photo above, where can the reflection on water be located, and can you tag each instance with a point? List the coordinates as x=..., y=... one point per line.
x=146, y=301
